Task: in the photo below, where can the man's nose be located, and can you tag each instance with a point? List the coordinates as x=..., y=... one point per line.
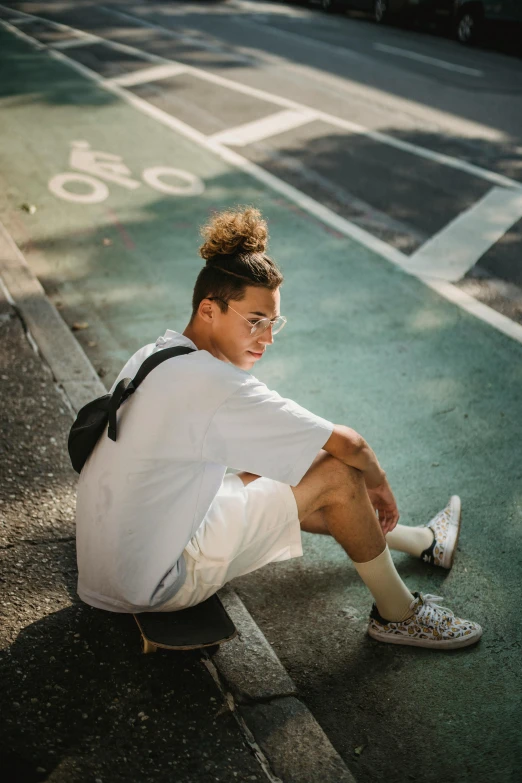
x=266, y=338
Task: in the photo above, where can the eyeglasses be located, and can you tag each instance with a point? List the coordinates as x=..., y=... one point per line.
x=260, y=326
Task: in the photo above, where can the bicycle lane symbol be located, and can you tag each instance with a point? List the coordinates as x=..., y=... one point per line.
x=92, y=169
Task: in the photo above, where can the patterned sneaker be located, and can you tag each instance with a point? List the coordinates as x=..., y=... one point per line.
x=446, y=530
x=430, y=625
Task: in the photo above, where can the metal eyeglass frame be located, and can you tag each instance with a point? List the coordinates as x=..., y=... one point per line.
x=254, y=327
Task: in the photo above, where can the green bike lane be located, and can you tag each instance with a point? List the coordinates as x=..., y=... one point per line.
x=436, y=392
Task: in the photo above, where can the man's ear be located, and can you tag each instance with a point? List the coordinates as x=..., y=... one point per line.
x=206, y=310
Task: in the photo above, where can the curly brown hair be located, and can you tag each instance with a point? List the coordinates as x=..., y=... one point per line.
x=237, y=231
x=234, y=251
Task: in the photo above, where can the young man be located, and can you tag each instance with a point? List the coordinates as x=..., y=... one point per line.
x=160, y=527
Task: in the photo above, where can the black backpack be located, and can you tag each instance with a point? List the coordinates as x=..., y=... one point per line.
x=93, y=417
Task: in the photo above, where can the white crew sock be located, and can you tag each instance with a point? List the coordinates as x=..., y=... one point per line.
x=412, y=540
x=391, y=595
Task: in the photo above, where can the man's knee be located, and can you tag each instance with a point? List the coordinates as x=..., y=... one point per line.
x=337, y=477
x=327, y=482
x=337, y=473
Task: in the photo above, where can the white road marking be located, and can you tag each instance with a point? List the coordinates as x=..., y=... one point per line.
x=261, y=129
x=449, y=254
x=273, y=9
x=188, y=184
x=98, y=190
x=474, y=307
x=72, y=43
x=383, y=138
x=422, y=58
x=330, y=48
x=328, y=217
x=81, y=38
x=20, y=20
x=110, y=167
x=19, y=34
x=192, y=40
x=363, y=93
x=148, y=75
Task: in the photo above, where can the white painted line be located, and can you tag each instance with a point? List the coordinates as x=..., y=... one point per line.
x=414, y=149
x=382, y=138
x=453, y=251
x=264, y=128
x=232, y=157
x=72, y=43
x=120, y=47
x=20, y=20
x=308, y=41
x=422, y=58
x=308, y=204
x=19, y=34
x=471, y=305
x=153, y=74
x=467, y=127
x=192, y=40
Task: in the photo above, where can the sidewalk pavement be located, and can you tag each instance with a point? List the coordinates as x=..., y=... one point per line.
x=79, y=700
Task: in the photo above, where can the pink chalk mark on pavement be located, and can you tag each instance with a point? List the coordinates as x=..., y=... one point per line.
x=125, y=236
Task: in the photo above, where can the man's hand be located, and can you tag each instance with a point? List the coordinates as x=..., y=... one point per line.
x=350, y=448
x=382, y=500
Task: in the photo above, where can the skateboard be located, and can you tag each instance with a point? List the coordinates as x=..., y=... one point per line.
x=203, y=625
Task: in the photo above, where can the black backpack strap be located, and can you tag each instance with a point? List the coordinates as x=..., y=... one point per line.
x=157, y=358
x=126, y=386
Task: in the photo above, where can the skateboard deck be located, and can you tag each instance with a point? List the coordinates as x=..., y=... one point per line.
x=204, y=625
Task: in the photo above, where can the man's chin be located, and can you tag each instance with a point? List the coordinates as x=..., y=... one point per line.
x=247, y=363
x=243, y=363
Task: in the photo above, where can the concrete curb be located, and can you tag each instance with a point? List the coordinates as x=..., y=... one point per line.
x=70, y=366
x=281, y=730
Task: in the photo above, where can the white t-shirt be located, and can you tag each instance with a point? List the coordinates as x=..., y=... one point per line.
x=142, y=498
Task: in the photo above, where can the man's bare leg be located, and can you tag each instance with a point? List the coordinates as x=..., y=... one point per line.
x=333, y=497
x=412, y=540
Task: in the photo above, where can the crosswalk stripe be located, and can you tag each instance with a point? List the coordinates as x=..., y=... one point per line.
x=145, y=75
x=449, y=254
x=261, y=129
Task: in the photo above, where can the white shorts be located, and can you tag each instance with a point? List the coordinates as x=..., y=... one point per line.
x=245, y=528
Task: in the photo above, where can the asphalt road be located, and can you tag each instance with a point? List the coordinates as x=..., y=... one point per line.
x=418, y=163
x=426, y=95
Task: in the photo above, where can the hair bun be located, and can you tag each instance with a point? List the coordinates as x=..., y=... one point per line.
x=241, y=230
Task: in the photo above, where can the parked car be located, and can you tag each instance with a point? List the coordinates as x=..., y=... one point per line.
x=468, y=19
x=472, y=17
x=379, y=9
x=382, y=10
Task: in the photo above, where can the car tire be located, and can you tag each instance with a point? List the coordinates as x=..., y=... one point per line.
x=468, y=25
x=381, y=11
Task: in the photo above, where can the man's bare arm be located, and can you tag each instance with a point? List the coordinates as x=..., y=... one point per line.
x=349, y=447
